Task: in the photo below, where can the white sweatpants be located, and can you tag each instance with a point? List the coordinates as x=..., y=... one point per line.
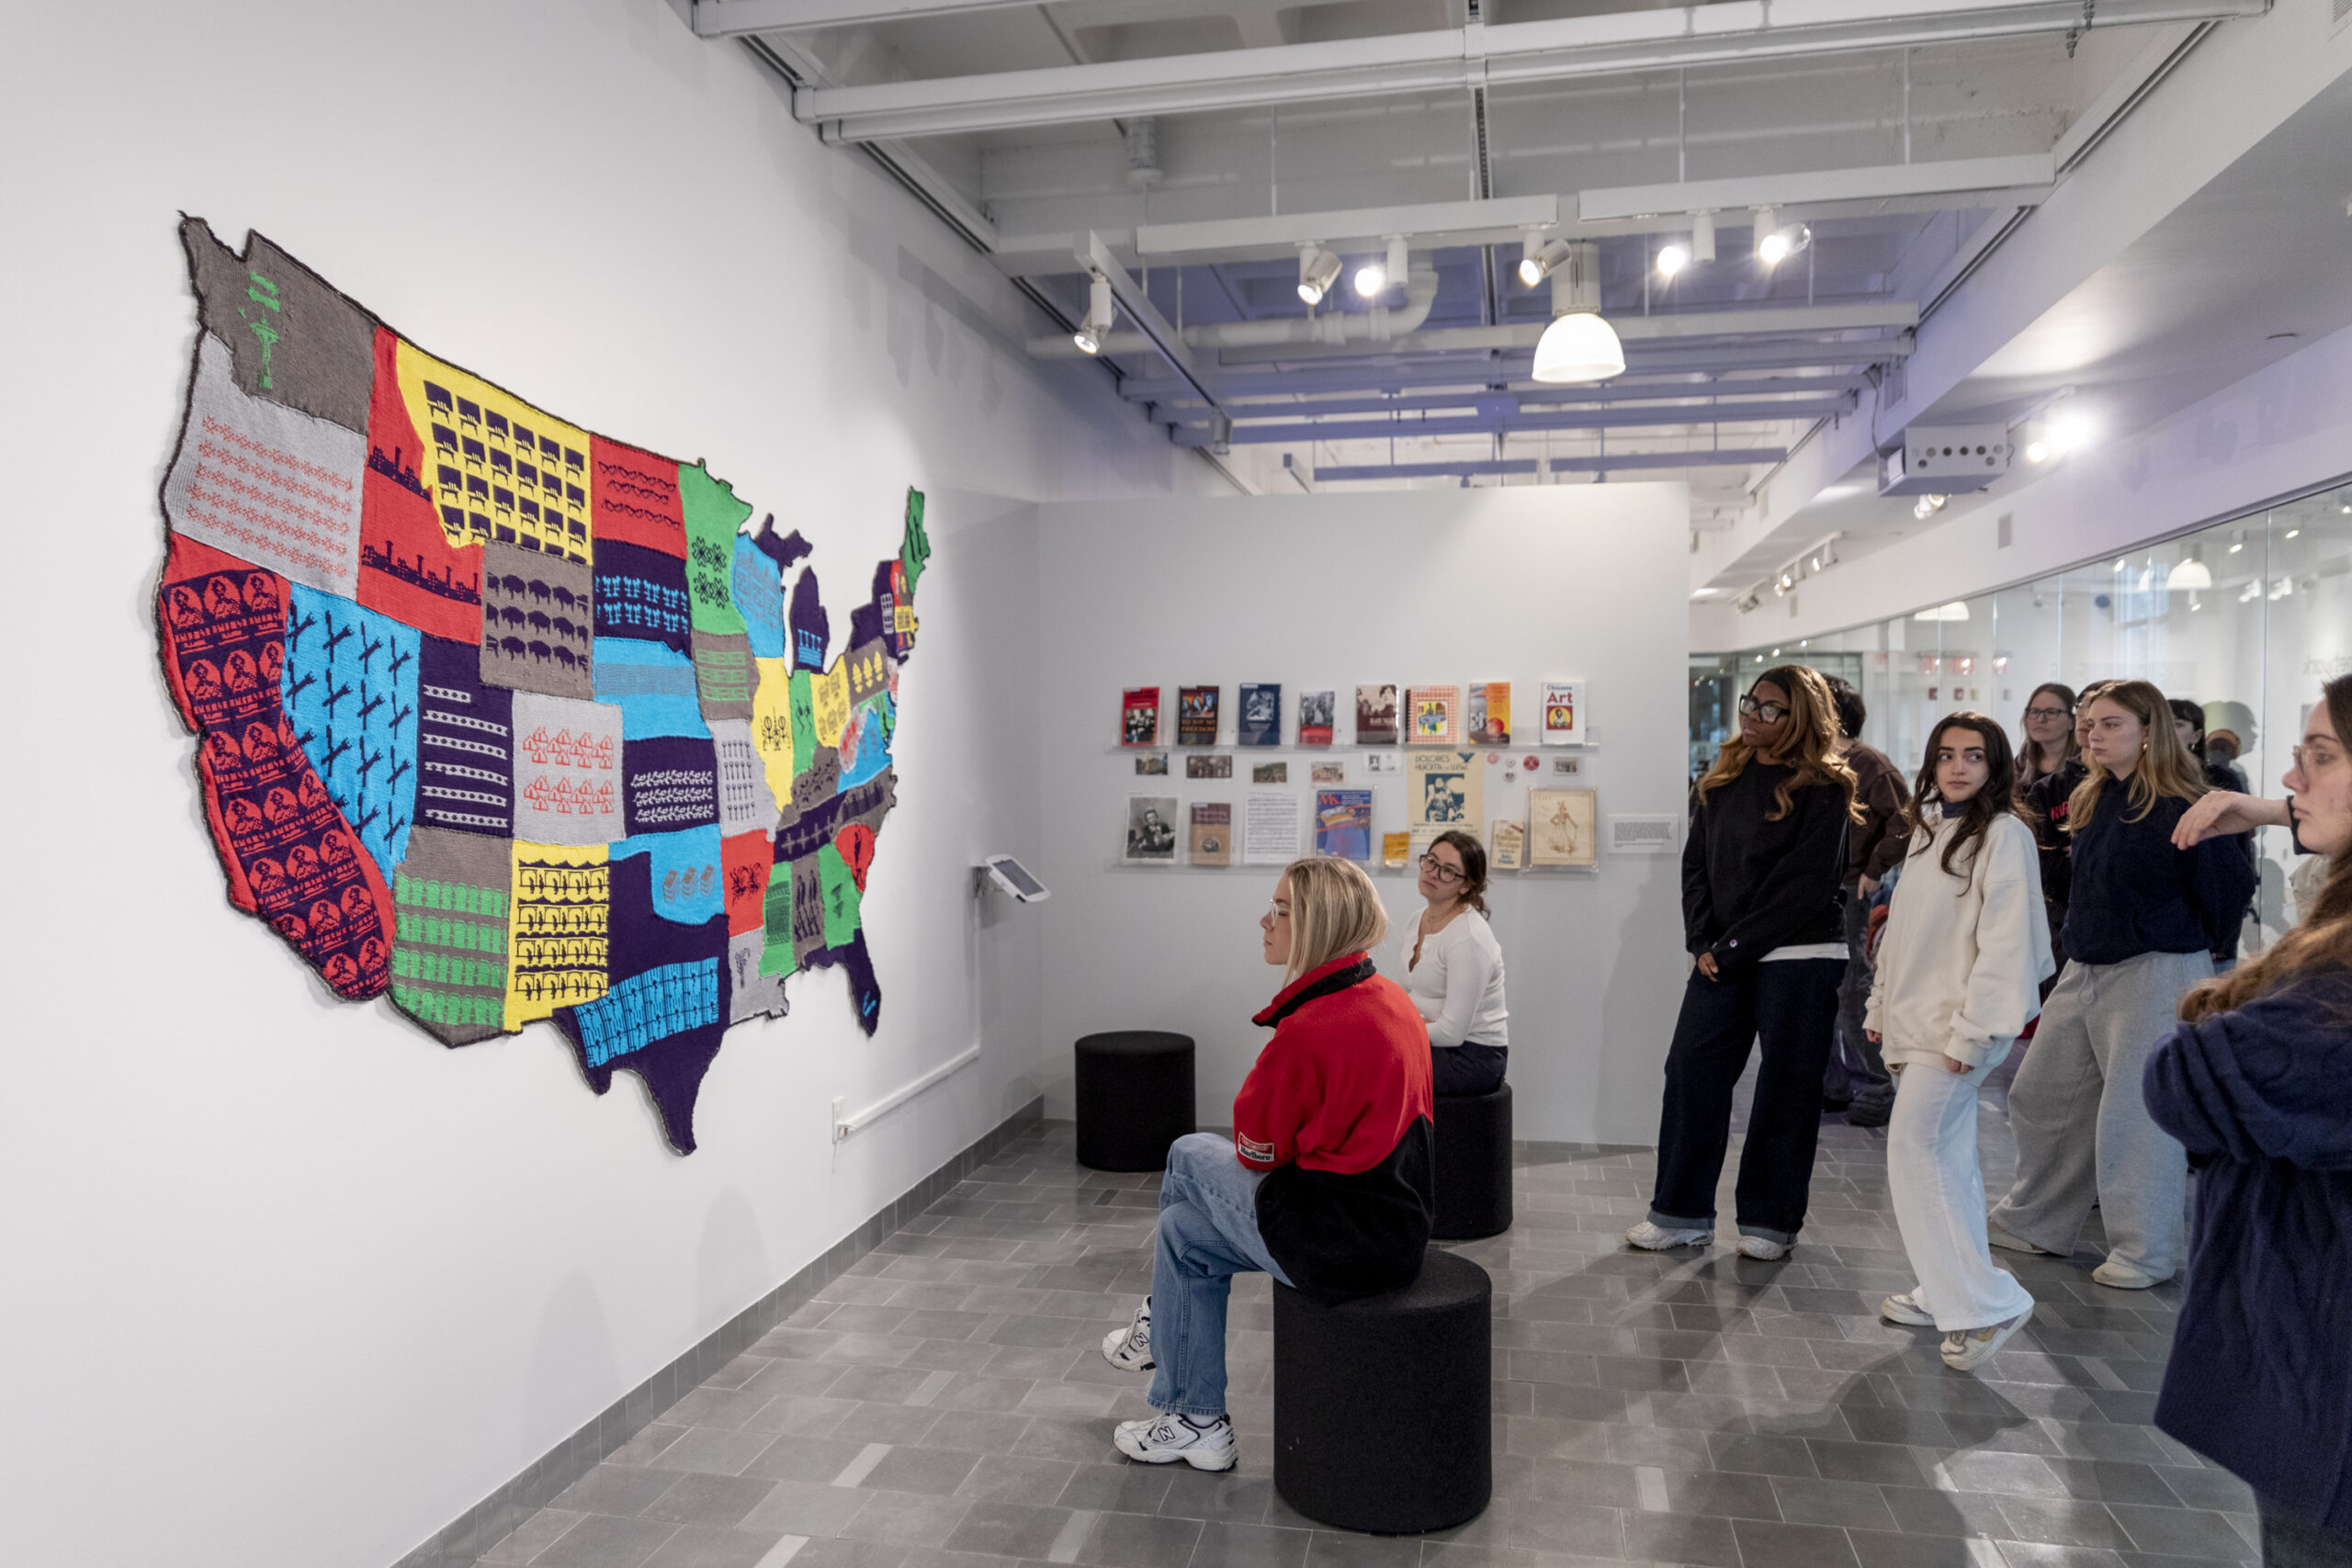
x=1938, y=1185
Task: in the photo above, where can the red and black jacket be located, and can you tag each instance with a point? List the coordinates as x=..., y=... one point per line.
x=1338, y=1109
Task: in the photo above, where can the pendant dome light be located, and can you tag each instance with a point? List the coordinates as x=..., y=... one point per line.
x=1579, y=346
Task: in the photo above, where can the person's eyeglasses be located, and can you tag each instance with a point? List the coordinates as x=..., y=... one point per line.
x=1771, y=713
x=2307, y=759
x=1441, y=871
x=1276, y=912
x=2049, y=713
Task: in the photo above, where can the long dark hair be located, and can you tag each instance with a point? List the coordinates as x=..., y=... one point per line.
x=1996, y=799
x=1811, y=750
x=1473, y=866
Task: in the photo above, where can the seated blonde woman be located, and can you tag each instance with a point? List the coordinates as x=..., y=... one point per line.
x=1327, y=1183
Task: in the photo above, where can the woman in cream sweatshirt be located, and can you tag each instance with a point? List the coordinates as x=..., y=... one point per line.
x=1960, y=969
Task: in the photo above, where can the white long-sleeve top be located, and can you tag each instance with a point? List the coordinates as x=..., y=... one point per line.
x=1964, y=956
x=1458, y=983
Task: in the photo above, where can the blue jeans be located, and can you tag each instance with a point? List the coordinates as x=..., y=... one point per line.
x=1208, y=1233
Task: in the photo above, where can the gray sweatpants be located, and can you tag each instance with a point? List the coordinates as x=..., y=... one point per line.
x=2083, y=1130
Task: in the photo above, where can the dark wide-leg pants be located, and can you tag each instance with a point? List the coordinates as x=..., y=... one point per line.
x=1788, y=1007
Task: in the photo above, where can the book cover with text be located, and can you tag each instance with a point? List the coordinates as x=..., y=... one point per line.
x=1316, y=713
x=1212, y=825
x=1437, y=715
x=1196, y=716
x=1343, y=823
x=1139, y=716
x=1375, y=715
x=1489, y=714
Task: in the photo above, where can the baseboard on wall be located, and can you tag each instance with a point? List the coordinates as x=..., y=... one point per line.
x=497, y=1516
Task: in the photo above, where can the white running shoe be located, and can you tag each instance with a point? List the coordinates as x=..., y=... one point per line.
x=1168, y=1438
x=2003, y=1240
x=1129, y=1348
x=1763, y=1248
x=1965, y=1348
x=2118, y=1275
x=1905, y=1309
x=1657, y=1238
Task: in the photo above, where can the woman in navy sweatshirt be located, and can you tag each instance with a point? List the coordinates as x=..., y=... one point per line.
x=2258, y=1084
x=1328, y=1182
x=1761, y=875
x=2142, y=921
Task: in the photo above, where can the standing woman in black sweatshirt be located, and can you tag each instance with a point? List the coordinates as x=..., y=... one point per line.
x=1760, y=881
x=2142, y=920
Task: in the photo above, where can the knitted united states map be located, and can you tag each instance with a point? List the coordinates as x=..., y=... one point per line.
x=503, y=717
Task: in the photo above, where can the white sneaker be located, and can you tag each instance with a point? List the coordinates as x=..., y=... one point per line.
x=2003, y=1240
x=1168, y=1438
x=1129, y=1348
x=1905, y=1309
x=1657, y=1238
x=1969, y=1347
x=1763, y=1248
x=2118, y=1275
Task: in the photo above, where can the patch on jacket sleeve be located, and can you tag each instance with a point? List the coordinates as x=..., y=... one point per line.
x=1252, y=1149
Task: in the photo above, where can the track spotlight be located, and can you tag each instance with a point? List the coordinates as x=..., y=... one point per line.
x=1539, y=261
x=1376, y=277
x=1317, y=270
x=1776, y=242
x=1672, y=258
x=1099, y=316
x=1927, y=506
x=2055, y=434
x=1703, y=237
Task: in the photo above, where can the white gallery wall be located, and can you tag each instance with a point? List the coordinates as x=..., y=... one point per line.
x=288, y=1283
x=1435, y=587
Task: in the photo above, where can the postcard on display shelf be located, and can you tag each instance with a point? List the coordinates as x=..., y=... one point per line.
x=1384, y=762
x=1437, y=715
x=1315, y=710
x=1270, y=772
x=1564, y=713
x=1446, y=789
x=1375, y=715
x=1489, y=714
x=1139, y=716
x=1343, y=823
x=1151, y=829
x=1508, y=851
x=1215, y=765
x=1559, y=826
x=1394, y=848
x=1327, y=774
x=1212, y=833
x=1262, y=714
x=1270, y=827
x=1151, y=762
x=1196, y=716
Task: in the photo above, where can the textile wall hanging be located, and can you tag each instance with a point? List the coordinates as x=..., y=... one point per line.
x=503, y=718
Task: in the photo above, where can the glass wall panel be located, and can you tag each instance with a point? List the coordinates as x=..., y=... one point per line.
x=2245, y=619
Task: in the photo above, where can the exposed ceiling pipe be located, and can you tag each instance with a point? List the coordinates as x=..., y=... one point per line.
x=1380, y=325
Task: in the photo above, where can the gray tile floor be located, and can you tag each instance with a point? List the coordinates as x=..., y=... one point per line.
x=944, y=1406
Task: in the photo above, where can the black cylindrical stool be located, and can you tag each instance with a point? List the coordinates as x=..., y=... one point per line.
x=1134, y=1097
x=1472, y=1165
x=1382, y=1404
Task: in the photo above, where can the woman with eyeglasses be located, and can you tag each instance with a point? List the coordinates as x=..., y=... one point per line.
x=1761, y=878
x=2045, y=802
x=1453, y=969
x=1327, y=1183
x=2049, y=734
x=2142, y=919
x=2257, y=1085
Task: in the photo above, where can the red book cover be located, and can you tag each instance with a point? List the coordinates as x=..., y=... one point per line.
x=1139, y=716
